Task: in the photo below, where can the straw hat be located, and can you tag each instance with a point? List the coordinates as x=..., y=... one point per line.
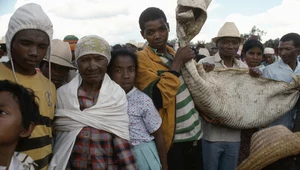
x=269, y=50
x=270, y=145
x=229, y=29
x=61, y=53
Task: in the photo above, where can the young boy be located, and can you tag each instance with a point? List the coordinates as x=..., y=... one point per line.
x=18, y=115
x=158, y=75
x=28, y=40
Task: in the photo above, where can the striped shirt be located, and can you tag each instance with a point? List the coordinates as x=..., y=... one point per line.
x=39, y=145
x=188, y=122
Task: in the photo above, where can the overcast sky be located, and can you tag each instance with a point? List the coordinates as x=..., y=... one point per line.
x=117, y=20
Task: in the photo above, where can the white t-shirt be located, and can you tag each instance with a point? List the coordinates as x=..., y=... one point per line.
x=20, y=161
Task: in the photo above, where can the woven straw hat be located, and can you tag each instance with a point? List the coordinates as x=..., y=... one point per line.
x=61, y=53
x=269, y=50
x=270, y=145
x=229, y=29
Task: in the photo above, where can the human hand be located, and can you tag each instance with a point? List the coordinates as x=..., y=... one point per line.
x=208, y=67
x=255, y=72
x=182, y=56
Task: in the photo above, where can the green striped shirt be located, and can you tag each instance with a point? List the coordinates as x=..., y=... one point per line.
x=188, y=123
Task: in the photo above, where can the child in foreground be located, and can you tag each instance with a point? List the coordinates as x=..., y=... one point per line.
x=145, y=133
x=18, y=115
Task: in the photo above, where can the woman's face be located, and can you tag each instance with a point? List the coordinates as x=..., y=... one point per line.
x=253, y=57
x=92, y=68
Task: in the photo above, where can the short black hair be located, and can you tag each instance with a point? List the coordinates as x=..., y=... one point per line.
x=121, y=52
x=291, y=37
x=150, y=14
x=252, y=43
x=26, y=99
x=117, y=47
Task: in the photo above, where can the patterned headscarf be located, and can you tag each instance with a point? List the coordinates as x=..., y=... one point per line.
x=92, y=44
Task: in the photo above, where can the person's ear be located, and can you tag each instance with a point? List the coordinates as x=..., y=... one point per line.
x=27, y=132
x=168, y=26
x=142, y=34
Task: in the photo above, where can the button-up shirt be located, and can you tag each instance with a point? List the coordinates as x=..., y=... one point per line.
x=215, y=133
x=282, y=72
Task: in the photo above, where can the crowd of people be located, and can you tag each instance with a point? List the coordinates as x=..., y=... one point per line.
x=82, y=104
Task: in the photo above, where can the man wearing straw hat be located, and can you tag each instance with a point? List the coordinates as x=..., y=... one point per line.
x=221, y=144
x=60, y=58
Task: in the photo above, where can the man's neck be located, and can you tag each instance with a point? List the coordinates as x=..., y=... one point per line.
x=228, y=61
x=6, y=153
x=20, y=70
x=293, y=65
x=161, y=50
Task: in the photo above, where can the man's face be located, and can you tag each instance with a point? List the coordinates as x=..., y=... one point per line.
x=228, y=46
x=156, y=32
x=28, y=48
x=214, y=50
x=92, y=68
x=10, y=119
x=59, y=74
x=269, y=58
x=288, y=52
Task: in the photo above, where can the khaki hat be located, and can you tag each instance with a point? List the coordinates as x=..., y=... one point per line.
x=140, y=45
x=269, y=50
x=61, y=53
x=229, y=29
x=270, y=145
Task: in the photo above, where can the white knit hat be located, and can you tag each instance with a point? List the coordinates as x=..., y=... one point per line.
x=269, y=50
x=28, y=16
x=92, y=44
x=229, y=29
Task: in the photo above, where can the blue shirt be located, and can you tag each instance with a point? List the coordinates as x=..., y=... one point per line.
x=282, y=72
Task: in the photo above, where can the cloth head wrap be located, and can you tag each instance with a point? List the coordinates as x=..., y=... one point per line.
x=92, y=44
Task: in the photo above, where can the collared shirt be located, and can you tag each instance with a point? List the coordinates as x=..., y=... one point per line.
x=282, y=72
x=216, y=133
x=98, y=149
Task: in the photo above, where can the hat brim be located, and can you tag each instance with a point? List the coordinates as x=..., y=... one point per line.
x=217, y=38
x=286, y=147
x=61, y=62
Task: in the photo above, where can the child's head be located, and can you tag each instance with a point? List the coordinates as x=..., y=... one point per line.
x=18, y=112
x=154, y=27
x=122, y=68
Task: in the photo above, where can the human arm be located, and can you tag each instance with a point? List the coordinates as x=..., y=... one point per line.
x=255, y=72
x=161, y=148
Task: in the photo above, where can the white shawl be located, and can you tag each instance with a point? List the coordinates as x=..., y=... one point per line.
x=109, y=114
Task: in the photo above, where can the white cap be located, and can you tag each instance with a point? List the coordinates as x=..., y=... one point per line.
x=269, y=50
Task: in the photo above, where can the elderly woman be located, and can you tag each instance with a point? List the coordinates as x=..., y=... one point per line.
x=92, y=124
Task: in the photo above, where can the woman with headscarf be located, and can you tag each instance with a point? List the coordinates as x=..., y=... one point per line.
x=91, y=116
